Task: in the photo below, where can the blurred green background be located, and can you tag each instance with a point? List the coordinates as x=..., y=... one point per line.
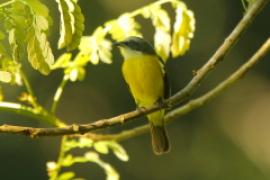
x=225, y=139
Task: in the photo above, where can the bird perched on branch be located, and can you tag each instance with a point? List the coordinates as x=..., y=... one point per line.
x=143, y=70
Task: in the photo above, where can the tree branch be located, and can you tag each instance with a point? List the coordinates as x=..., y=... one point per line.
x=235, y=35
x=177, y=98
x=193, y=104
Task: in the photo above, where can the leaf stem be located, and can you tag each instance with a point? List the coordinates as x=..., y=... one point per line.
x=2, y=5
x=58, y=94
x=29, y=89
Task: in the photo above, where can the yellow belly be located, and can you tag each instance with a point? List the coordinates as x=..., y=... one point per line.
x=144, y=76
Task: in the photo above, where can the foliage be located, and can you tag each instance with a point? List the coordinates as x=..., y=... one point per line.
x=24, y=35
x=93, y=149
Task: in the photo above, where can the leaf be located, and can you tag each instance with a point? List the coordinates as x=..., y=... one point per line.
x=1, y=94
x=118, y=150
x=123, y=27
x=162, y=37
x=101, y=147
x=67, y=161
x=66, y=176
x=38, y=7
x=2, y=35
x=9, y=69
x=96, y=47
x=62, y=61
x=109, y=170
x=72, y=24
x=82, y=143
x=5, y=77
x=39, y=51
x=14, y=45
x=79, y=28
x=184, y=28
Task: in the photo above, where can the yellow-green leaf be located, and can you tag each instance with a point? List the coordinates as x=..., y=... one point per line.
x=96, y=47
x=1, y=94
x=101, y=147
x=162, y=37
x=62, y=61
x=39, y=51
x=184, y=28
x=123, y=27
x=5, y=76
x=72, y=24
x=2, y=35
x=118, y=150
x=66, y=176
x=13, y=44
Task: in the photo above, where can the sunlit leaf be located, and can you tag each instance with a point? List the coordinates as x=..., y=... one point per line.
x=184, y=28
x=81, y=143
x=38, y=7
x=2, y=35
x=118, y=150
x=101, y=147
x=72, y=24
x=96, y=47
x=39, y=51
x=1, y=94
x=66, y=176
x=79, y=28
x=9, y=69
x=75, y=74
x=62, y=61
x=123, y=27
x=13, y=44
x=162, y=37
x=109, y=170
x=5, y=76
x=67, y=161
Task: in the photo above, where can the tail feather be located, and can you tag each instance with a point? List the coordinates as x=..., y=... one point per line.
x=160, y=140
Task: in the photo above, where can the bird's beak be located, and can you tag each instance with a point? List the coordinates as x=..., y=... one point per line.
x=118, y=44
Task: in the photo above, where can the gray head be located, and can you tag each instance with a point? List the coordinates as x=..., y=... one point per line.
x=137, y=44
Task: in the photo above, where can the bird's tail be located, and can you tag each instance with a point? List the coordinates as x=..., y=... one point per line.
x=160, y=140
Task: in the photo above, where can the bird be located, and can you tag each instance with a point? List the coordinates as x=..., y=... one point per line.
x=144, y=72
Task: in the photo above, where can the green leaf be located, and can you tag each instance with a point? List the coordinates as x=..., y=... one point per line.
x=101, y=147
x=39, y=51
x=13, y=44
x=38, y=7
x=2, y=35
x=66, y=176
x=63, y=61
x=162, y=37
x=109, y=170
x=1, y=94
x=184, y=28
x=67, y=161
x=72, y=24
x=123, y=27
x=118, y=150
x=96, y=47
x=9, y=69
x=5, y=77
